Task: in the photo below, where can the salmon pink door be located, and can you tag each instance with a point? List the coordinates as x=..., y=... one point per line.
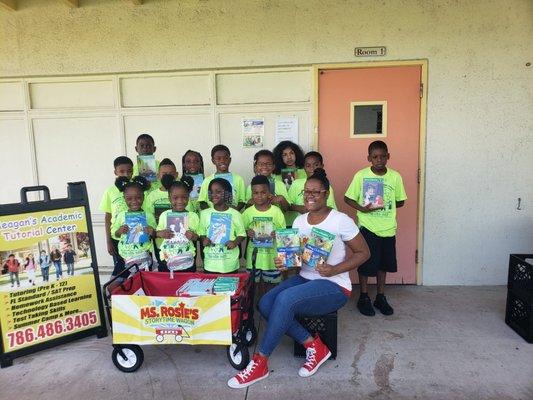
x=394, y=95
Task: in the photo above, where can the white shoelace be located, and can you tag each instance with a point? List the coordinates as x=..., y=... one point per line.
x=310, y=359
x=248, y=370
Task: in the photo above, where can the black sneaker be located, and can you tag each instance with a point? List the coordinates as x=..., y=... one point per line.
x=382, y=305
x=364, y=304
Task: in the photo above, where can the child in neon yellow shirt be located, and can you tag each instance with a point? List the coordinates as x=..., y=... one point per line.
x=221, y=230
x=192, y=165
x=289, y=157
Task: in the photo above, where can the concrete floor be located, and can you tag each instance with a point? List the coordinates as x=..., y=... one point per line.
x=442, y=343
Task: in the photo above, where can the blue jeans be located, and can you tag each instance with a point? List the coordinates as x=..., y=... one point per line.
x=59, y=270
x=296, y=296
x=45, y=272
x=70, y=268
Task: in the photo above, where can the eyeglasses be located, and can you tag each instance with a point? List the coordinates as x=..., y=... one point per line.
x=263, y=164
x=312, y=193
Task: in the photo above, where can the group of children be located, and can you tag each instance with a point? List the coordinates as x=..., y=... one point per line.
x=216, y=213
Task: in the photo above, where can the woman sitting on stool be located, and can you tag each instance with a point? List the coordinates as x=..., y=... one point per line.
x=315, y=291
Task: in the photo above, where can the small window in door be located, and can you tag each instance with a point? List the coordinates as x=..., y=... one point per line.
x=368, y=119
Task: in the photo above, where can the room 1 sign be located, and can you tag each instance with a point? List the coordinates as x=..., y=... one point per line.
x=370, y=51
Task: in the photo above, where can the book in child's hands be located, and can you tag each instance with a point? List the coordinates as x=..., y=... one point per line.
x=288, y=176
x=198, y=180
x=175, y=251
x=263, y=228
x=136, y=222
x=147, y=167
x=219, y=228
x=272, y=185
x=288, y=247
x=373, y=192
x=318, y=247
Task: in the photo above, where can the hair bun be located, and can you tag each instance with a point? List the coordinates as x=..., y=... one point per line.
x=143, y=183
x=188, y=182
x=167, y=180
x=121, y=183
x=320, y=172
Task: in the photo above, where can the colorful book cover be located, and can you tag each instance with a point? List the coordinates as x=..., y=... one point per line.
x=373, y=192
x=288, y=176
x=318, y=247
x=198, y=180
x=272, y=185
x=175, y=251
x=219, y=228
x=136, y=222
x=288, y=247
x=147, y=167
x=159, y=209
x=229, y=177
x=263, y=228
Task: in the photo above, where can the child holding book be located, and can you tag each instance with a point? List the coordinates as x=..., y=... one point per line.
x=193, y=165
x=264, y=164
x=221, y=229
x=221, y=158
x=316, y=290
x=312, y=161
x=135, y=227
x=112, y=204
x=377, y=221
x=261, y=221
x=177, y=230
x=289, y=162
x=146, y=165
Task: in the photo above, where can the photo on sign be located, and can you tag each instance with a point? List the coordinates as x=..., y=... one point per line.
x=251, y=141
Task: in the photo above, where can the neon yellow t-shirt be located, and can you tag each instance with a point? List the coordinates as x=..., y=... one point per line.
x=193, y=225
x=237, y=184
x=265, y=255
x=382, y=222
x=218, y=258
x=128, y=247
x=279, y=190
x=113, y=203
x=157, y=201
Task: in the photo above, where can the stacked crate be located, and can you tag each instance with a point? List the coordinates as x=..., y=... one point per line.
x=519, y=309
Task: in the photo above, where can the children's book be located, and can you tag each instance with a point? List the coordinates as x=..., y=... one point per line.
x=219, y=228
x=147, y=167
x=263, y=228
x=373, y=192
x=175, y=251
x=136, y=222
x=159, y=209
x=288, y=176
x=288, y=247
x=226, y=285
x=318, y=247
x=229, y=177
x=196, y=287
x=198, y=180
x=272, y=185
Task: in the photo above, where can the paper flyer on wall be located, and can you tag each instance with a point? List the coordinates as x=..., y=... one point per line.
x=253, y=132
x=286, y=129
x=317, y=247
x=288, y=247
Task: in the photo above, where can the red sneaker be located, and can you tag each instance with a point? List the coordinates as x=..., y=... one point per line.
x=256, y=370
x=316, y=354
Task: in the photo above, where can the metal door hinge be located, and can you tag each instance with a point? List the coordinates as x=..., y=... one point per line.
x=421, y=90
x=418, y=175
x=416, y=256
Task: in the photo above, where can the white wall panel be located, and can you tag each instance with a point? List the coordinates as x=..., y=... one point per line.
x=231, y=135
x=75, y=94
x=174, y=134
x=165, y=90
x=264, y=87
x=16, y=159
x=11, y=96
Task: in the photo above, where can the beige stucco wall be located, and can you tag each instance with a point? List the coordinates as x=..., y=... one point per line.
x=479, y=146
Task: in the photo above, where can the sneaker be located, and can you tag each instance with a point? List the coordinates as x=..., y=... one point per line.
x=256, y=370
x=316, y=354
x=364, y=304
x=382, y=305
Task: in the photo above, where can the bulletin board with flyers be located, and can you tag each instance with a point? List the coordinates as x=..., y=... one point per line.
x=49, y=285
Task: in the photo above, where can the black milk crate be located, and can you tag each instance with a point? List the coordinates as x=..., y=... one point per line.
x=520, y=279
x=325, y=326
x=519, y=314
